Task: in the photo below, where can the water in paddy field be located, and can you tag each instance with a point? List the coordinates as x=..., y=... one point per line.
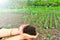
x=10, y=20
x=11, y=13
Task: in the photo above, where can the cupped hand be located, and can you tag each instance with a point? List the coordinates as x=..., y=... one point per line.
x=27, y=36
x=22, y=27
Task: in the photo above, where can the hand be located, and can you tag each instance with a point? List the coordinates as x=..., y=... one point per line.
x=22, y=27
x=24, y=34
x=21, y=37
x=27, y=36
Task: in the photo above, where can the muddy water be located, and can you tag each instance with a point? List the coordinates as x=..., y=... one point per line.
x=11, y=20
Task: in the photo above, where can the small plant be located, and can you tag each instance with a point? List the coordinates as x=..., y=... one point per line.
x=56, y=24
x=58, y=19
x=50, y=21
x=45, y=24
x=42, y=16
x=48, y=36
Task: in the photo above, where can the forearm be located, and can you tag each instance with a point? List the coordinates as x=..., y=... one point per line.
x=17, y=37
x=8, y=32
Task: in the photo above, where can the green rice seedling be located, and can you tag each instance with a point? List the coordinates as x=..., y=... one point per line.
x=50, y=26
x=48, y=36
x=56, y=23
x=45, y=24
x=39, y=21
x=25, y=19
x=43, y=31
x=58, y=19
x=37, y=15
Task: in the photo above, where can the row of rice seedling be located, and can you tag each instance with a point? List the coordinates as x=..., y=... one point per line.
x=42, y=20
x=38, y=19
x=58, y=19
x=58, y=14
x=50, y=26
x=55, y=21
x=35, y=19
x=42, y=15
x=46, y=20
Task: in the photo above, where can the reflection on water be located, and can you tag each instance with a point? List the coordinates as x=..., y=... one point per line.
x=10, y=20
x=12, y=4
x=11, y=12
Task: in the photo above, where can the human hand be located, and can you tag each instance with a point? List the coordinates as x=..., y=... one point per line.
x=21, y=37
x=22, y=27
x=27, y=36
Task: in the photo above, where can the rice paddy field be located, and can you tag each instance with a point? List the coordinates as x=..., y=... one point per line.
x=46, y=20
x=43, y=14
x=48, y=16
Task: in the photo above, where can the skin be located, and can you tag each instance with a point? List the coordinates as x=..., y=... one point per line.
x=22, y=27
x=19, y=35
x=30, y=37
x=8, y=32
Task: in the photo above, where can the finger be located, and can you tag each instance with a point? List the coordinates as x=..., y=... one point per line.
x=29, y=36
x=22, y=27
x=36, y=35
x=23, y=37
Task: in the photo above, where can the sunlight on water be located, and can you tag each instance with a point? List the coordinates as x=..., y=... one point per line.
x=10, y=20
x=12, y=4
x=3, y=3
